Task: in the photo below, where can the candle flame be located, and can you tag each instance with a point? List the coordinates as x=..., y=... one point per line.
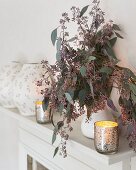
x=38, y=102
x=106, y=124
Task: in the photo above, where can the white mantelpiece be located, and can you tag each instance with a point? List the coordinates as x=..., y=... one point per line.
x=35, y=140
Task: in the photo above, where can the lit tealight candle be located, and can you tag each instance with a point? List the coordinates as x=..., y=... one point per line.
x=41, y=115
x=106, y=138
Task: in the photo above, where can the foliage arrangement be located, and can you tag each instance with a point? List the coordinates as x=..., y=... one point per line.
x=85, y=72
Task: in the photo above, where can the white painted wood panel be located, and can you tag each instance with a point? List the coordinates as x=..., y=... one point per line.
x=22, y=157
x=46, y=150
x=8, y=142
x=35, y=140
x=126, y=164
x=133, y=163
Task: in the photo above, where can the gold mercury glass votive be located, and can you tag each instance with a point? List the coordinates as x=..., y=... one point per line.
x=106, y=137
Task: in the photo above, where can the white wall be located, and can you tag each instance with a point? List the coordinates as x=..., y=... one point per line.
x=124, y=13
x=25, y=27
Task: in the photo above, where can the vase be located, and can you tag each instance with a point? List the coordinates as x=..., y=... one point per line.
x=87, y=125
x=7, y=75
x=26, y=90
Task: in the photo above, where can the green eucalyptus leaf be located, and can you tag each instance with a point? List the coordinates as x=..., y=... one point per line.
x=58, y=45
x=99, y=33
x=125, y=102
x=111, y=105
x=54, y=36
x=54, y=134
x=60, y=108
x=106, y=70
x=86, y=85
x=129, y=128
x=132, y=87
x=53, y=138
x=68, y=109
x=98, y=47
x=133, y=97
x=69, y=98
x=76, y=92
x=71, y=92
x=110, y=51
x=56, y=151
x=91, y=58
x=60, y=124
x=72, y=39
x=58, y=56
x=130, y=73
x=74, y=79
x=84, y=9
x=134, y=114
x=82, y=95
x=83, y=71
x=91, y=87
x=113, y=41
x=45, y=103
x=116, y=27
x=118, y=35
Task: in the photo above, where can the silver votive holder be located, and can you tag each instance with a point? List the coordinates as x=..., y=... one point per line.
x=106, y=137
x=42, y=116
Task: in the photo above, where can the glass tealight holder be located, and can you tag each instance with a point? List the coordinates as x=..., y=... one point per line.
x=42, y=116
x=106, y=137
